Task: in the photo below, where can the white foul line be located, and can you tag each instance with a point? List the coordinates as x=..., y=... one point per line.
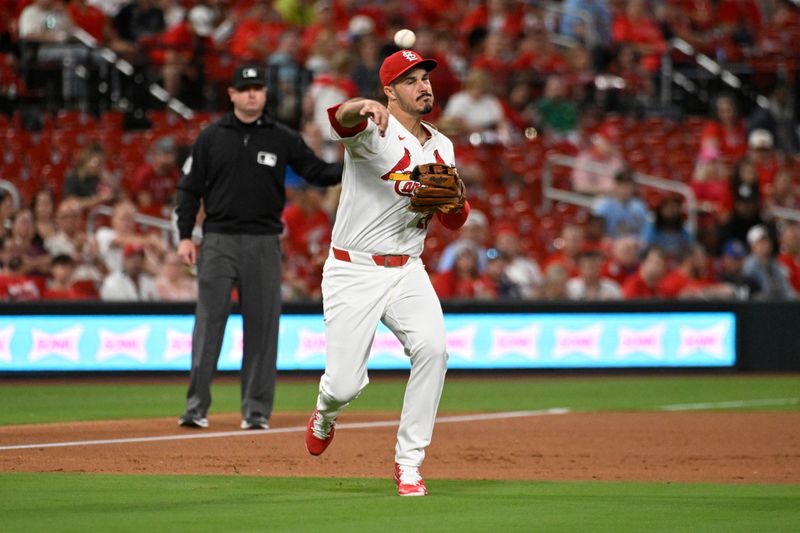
x=295, y=429
x=734, y=404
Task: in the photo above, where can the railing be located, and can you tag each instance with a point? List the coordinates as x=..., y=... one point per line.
x=669, y=75
x=162, y=224
x=12, y=190
x=785, y=213
x=119, y=75
x=550, y=193
x=124, y=67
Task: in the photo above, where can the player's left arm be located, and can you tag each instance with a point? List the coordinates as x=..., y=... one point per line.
x=455, y=219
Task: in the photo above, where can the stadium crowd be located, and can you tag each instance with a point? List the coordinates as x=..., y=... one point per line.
x=517, y=82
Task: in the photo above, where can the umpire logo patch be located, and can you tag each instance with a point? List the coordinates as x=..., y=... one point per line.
x=267, y=158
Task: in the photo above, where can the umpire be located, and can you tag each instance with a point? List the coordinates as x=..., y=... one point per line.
x=236, y=170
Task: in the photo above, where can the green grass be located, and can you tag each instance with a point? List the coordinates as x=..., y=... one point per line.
x=73, y=502
x=25, y=403
x=79, y=502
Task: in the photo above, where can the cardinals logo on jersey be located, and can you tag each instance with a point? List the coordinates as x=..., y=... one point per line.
x=400, y=166
x=400, y=174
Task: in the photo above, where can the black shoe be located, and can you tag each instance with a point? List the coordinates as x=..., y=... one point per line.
x=193, y=421
x=255, y=422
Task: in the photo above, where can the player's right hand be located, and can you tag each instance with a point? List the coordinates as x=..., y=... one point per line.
x=378, y=113
x=187, y=252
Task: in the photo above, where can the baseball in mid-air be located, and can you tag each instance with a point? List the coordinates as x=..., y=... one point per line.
x=404, y=38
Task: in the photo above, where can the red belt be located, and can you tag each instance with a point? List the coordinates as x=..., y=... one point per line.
x=380, y=260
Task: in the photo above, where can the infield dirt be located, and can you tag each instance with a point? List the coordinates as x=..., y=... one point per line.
x=751, y=447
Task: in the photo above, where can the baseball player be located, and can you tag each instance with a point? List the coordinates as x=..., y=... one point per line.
x=374, y=272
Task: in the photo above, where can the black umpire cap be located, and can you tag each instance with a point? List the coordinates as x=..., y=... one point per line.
x=248, y=76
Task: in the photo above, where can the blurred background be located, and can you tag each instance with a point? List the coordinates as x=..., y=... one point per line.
x=612, y=149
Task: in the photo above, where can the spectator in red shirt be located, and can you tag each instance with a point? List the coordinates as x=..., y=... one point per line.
x=645, y=282
x=711, y=185
x=495, y=57
x=516, y=105
x=308, y=227
x=726, y=135
x=701, y=13
x=90, y=19
x=537, y=54
x=181, y=50
x=568, y=246
x=154, y=183
x=790, y=252
x=495, y=15
x=639, y=91
x=635, y=27
x=256, y=34
x=693, y=21
x=60, y=284
x=761, y=153
x=464, y=280
x=321, y=25
x=783, y=192
x=693, y=278
x=15, y=284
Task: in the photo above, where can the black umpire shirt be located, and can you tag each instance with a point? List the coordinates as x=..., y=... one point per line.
x=238, y=170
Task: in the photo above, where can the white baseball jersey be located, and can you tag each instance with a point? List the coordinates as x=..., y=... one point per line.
x=373, y=213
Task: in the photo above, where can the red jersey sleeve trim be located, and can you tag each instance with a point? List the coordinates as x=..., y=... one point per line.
x=342, y=130
x=453, y=221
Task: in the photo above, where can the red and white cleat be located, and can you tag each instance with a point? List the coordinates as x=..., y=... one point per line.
x=409, y=481
x=319, y=434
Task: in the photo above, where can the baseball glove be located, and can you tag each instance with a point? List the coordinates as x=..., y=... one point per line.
x=440, y=189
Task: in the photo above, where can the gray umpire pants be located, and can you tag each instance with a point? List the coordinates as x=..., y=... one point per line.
x=255, y=262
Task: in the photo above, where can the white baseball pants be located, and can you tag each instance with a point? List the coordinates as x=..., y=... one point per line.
x=356, y=295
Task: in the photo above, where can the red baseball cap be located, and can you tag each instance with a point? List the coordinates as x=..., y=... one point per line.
x=400, y=62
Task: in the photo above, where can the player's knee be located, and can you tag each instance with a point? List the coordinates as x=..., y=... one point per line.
x=341, y=393
x=431, y=348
